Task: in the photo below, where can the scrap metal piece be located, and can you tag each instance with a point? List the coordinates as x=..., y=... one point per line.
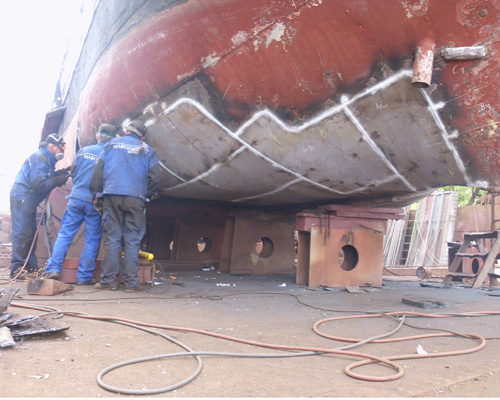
x=18, y=319
x=463, y=53
x=7, y=298
x=4, y=317
x=354, y=289
x=6, y=338
x=425, y=303
x=37, y=326
x=420, y=303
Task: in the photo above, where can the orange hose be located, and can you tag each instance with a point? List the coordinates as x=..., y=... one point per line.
x=348, y=370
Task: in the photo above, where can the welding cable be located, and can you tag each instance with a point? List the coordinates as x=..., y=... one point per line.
x=349, y=368
x=395, y=313
x=306, y=351
x=56, y=313
x=399, y=370
x=189, y=352
x=368, y=358
x=201, y=353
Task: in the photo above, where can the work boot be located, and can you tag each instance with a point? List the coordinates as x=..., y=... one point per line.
x=98, y=285
x=93, y=281
x=52, y=275
x=23, y=276
x=133, y=290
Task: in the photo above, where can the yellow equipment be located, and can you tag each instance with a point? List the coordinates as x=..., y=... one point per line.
x=146, y=255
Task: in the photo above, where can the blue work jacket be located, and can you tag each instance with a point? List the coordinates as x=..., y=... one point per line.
x=84, y=164
x=33, y=179
x=127, y=162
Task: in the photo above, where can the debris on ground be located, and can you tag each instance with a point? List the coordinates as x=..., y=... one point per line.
x=426, y=303
x=17, y=326
x=354, y=289
x=6, y=298
x=363, y=289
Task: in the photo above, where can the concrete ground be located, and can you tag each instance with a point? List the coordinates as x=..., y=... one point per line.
x=265, y=309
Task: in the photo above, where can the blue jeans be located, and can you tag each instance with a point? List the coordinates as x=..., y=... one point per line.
x=124, y=222
x=76, y=213
x=23, y=217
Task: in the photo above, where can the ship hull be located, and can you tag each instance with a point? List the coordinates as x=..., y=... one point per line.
x=296, y=102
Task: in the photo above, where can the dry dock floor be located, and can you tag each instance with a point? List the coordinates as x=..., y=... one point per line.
x=265, y=309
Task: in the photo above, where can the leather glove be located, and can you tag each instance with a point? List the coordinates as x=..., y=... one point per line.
x=62, y=171
x=99, y=203
x=59, y=180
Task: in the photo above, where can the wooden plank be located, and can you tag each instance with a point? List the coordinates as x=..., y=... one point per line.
x=462, y=274
x=488, y=265
x=47, y=287
x=7, y=298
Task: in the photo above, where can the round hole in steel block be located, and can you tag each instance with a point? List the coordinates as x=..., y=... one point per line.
x=348, y=257
x=264, y=247
x=204, y=245
x=475, y=266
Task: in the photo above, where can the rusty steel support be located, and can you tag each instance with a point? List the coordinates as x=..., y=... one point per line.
x=342, y=246
x=225, y=260
x=422, y=67
x=262, y=244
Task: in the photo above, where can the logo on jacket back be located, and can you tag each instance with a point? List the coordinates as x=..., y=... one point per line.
x=90, y=156
x=129, y=148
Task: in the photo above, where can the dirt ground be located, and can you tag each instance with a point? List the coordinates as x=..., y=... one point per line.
x=266, y=309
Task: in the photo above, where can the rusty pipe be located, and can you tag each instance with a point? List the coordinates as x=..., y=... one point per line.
x=422, y=66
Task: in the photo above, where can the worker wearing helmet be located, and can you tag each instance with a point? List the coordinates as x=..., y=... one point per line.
x=128, y=174
x=81, y=209
x=33, y=183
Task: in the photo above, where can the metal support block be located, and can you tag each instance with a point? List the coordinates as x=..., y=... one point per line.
x=263, y=244
x=198, y=240
x=342, y=246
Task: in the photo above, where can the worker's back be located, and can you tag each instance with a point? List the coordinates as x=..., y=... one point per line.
x=127, y=161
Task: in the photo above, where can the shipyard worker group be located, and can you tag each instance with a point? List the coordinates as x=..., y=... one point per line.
x=80, y=208
x=119, y=172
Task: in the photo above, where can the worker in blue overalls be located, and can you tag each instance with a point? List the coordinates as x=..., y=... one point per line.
x=33, y=183
x=128, y=174
x=81, y=209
